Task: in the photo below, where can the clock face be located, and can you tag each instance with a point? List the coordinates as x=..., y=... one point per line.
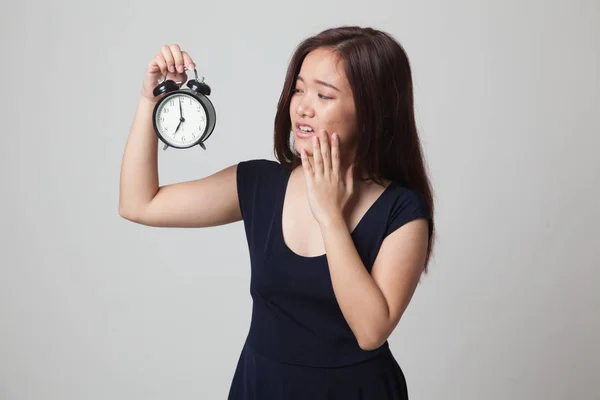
x=180, y=120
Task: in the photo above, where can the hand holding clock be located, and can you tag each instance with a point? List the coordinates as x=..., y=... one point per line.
x=167, y=87
x=170, y=60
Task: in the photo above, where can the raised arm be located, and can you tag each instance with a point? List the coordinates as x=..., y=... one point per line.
x=204, y=202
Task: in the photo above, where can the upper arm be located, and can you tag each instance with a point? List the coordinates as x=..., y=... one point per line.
x=401, y=258
x=209, y=201
x=399, y=265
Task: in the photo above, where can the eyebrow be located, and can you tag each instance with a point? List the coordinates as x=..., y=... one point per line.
x=299, y=78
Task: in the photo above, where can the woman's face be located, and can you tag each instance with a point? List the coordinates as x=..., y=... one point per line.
x=323, y=99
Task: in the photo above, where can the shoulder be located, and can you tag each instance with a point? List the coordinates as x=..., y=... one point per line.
x=406, y=205
x=259, y=174
x=257, y=182
x=257, y=168
x=259, y=164
x=404, y=197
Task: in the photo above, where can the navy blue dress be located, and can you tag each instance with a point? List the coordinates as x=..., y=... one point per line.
x=299, y=346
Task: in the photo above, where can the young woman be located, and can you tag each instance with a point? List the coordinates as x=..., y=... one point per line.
x=339, y=229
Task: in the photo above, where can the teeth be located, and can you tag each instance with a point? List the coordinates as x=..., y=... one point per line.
x=306, y=128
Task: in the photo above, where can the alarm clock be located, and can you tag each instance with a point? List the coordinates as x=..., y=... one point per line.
x=183, y=118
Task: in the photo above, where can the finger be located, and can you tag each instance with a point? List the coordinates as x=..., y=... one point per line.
x=166, y=53
x=160, y=61
x=177, y=57
x=325, y=154
x=317, y=161
x=153, y=66
x=306, y=165
x=309, y=163
x=188, y=62
x=335, y=155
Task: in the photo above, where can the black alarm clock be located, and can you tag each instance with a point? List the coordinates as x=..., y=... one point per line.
x=183, y=118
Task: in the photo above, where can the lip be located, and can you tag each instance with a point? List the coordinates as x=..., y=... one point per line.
x=300, y=133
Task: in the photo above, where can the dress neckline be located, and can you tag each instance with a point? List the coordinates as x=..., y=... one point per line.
x=279, y=218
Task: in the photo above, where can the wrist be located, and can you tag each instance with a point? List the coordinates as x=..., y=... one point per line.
x=334, y=222
x=145, y=99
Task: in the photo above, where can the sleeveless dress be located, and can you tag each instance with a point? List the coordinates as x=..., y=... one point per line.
x=299, y=346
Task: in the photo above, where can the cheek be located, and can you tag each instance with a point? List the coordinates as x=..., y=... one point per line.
x=343, y=122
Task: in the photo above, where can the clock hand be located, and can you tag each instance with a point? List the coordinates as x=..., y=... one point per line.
x=181, y=119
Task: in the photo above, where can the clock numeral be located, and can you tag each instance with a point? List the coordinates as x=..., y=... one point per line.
x=172, y=102
x=162, y=119
x=166, y=110
x=183, y=138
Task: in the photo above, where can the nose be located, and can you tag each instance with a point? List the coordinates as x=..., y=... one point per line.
x=304, y=109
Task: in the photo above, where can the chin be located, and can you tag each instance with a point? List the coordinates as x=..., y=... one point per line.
x=306, y=146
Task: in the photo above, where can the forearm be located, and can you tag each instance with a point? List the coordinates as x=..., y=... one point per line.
x=139, y=169
x=362, y=303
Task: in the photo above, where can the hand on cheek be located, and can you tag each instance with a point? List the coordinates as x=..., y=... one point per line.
x=328, y=187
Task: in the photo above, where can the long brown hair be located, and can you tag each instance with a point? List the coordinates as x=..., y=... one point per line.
x=379, y=73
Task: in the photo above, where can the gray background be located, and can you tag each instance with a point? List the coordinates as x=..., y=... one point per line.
x=95, y=307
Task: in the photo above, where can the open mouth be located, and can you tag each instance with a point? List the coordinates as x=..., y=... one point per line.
x=304, y=130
